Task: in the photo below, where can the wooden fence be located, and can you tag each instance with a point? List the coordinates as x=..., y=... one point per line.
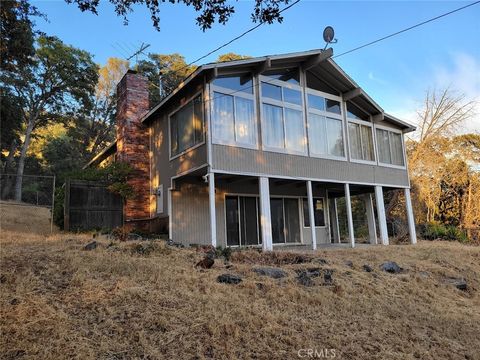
x=90, y=206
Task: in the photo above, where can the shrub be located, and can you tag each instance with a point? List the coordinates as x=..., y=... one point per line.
x=435, y=231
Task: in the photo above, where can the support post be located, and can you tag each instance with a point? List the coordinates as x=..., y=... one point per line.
x=265, y=215
x=372, y=228
x=411, y=221
x=348, y=202
x=170, y=213
x=382, y=219
x=335, y=225
x=211, y=202
x=311, y=213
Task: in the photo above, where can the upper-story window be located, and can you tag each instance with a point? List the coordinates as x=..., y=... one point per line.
x=325, y=125
x=390, y=147
x=283, y=126
x=233, y=111
x=360, y=134
x=187, y=127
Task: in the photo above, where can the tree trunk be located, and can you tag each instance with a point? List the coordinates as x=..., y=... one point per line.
x=9, y=179
x=21, y=161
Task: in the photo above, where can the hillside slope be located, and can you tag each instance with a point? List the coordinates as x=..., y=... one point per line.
x=131, y=300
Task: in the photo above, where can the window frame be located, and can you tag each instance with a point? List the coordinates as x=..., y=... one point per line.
x=325, y=113
x=324, y=212
x=400, y=132
x=282, y=104
x=374, y=141
x=234, y=93
x=203, y=142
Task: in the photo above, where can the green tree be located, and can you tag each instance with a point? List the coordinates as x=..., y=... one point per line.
x=267, y=11
x=59, y=80
x=163, y=71
x=16, y=33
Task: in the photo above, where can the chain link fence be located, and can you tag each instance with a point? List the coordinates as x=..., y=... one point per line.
x=27, y=203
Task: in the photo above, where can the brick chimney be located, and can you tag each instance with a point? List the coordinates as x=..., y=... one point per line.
x=133, y=143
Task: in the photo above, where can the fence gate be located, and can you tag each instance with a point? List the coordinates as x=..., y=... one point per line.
x=91, y=206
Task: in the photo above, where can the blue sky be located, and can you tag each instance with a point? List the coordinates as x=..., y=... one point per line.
x=396, y=72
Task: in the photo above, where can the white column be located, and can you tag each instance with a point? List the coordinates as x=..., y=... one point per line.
x=211, y=203
x=170, y=213
x=372, y=228
x=382, y=219
x=336, y=226
x=265, y=216
x=411, y=221
x=349, y=215
x=311, y=213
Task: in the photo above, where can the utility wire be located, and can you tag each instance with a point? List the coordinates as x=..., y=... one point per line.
x=336, y=56
x=406, y=29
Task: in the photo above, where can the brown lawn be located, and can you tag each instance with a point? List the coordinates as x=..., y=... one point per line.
x=58, y=301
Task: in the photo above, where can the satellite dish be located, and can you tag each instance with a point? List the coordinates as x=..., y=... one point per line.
x=328, y=34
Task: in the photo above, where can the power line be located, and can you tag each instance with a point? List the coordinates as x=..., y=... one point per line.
x=336, y=56
x=406, y=29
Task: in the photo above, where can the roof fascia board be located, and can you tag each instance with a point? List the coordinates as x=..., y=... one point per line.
x=100, y=154
x=317, y=59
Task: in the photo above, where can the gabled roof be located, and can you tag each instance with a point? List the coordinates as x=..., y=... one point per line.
x=325, y=68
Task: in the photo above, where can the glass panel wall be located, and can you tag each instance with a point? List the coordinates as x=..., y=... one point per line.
x=390, y=147
x=187, y=127
x=233, y=111
x=283, y=125
x=325, y=126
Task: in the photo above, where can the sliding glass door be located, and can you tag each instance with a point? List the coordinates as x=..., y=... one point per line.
x=243, y=221
x=285, y=220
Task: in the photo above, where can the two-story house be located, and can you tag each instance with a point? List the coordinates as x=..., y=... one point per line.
x=256, y=152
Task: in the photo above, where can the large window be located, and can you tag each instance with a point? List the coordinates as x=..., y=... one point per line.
x=360, y=134
x=187, y=127
x=283, y=126
x=318, y=212
x=325, y=126
x=233, y=115
x=390, y=148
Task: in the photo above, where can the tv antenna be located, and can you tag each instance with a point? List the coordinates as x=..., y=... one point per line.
x=141, y=50
x=329, y=36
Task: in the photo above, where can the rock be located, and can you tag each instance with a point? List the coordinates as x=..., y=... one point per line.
x=275, y=273
x=459, y=283
x=208, y=261
x=260, y=286
x=229, y=279
x=391, y=267
x=91, y=246
x=321, y=261
x=367, y=268
x=327, y=277
x=305, y=276
x=305, y=280
x=14, y=301
x=349, y=264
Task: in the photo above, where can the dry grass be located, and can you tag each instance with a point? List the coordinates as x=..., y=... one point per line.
x=58, y=301
x=23, y=218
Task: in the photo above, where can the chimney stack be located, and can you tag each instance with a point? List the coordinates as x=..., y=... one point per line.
x=133, y=143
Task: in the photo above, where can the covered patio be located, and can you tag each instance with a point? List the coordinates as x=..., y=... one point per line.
x=280, y=212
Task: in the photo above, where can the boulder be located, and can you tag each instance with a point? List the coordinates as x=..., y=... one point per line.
x=90, y=246
x=229, y=279
x=275, y=273
x=391, y=267
x=367, y=268
x=459, y=283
